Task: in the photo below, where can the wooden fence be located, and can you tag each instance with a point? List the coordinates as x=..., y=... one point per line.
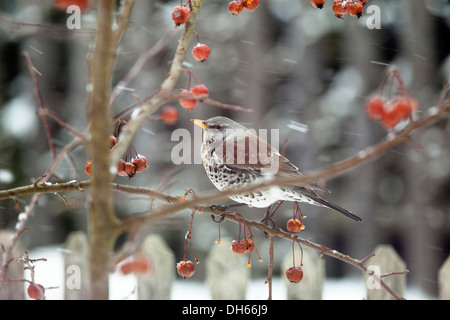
x=225, y=275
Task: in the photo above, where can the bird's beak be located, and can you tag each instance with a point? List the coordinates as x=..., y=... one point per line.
x=200, y=123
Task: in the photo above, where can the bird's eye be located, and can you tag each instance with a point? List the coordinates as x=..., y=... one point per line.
x=215, y=126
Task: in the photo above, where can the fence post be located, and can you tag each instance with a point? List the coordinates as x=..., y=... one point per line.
x=386, y=260
x=12, y=290
x=226, y=272
x=76, y=273
x=444, y=280
x=311, y=286
x=157, y=284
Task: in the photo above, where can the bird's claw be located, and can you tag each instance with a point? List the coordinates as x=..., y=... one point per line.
x=220, y=207
x=221, y=218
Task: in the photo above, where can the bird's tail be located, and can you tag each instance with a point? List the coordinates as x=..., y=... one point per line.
x=333, y=206
x=321, y=201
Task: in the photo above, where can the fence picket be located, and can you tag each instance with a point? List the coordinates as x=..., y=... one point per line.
x=157, y=284
x=12, y=290
x=386, y=260
x=76, y=273
x=226, y=273
x=444, y=280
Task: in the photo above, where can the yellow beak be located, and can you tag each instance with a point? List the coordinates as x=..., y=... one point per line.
x=200, y=123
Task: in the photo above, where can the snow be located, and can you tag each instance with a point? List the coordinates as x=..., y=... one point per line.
x=50, y=275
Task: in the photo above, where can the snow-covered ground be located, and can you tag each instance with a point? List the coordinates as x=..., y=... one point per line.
x=51, y=274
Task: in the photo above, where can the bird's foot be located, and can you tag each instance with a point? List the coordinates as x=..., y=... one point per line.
x=221, y=218
x=220, y=207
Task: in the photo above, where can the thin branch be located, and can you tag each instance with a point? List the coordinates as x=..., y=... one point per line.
x=270, y=271
x=75, y=132
x=54, y=31
x=19, y=229
x=226, y=105
x=40, y=101
x=139, y=64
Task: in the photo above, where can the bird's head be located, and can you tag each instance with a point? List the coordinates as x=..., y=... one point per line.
x=225, y=125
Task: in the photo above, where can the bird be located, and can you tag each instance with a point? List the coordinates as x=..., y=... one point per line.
x=235, y=157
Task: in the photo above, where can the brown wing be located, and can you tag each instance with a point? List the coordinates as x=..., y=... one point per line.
x=254, y=155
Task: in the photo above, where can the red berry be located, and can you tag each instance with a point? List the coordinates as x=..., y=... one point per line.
x=318, y=3
x=364, y=1
x=185, y=268
x=294, y=274
x=88, y=168
x=375, y=107
x=294, y=225
x=121, y=171
x=112, y=141
x=339, y=8
x=236, y=7
x=180, y=15
x=138, y=264
x=391, y=117
x=63, y=4
x=250, y=4
x=200, y=90
x=130, y=169
x=169, y=115
x=200, y=52
x=249, y=245
x=355, y=8
x=140, y=162
x=36, y=292
x=239, y=246
x=404, y=106
x=186, y=102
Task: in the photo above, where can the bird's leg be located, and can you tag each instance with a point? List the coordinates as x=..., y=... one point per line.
x=269, y=213
x=225, y=207
x=221, y=218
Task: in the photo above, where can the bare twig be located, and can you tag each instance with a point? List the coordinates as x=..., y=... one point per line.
x=270, y=271
x=140, y=62
x=40, y=101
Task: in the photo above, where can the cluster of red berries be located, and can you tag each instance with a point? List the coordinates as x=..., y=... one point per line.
x=341, y=7
x=130, y=168
x=390, y=113
x=137, y=264
x=125, y=168
x=242, y=246
x=199, y=90
x=395, y=109
x=236, y=7
x=245, y=245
